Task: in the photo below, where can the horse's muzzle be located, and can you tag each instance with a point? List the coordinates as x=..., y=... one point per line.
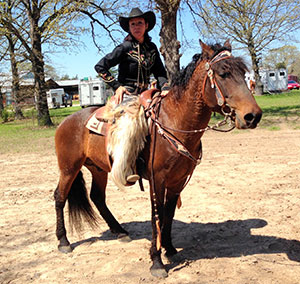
x=250, y=120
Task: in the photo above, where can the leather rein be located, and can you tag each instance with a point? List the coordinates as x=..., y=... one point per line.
x=164, y=131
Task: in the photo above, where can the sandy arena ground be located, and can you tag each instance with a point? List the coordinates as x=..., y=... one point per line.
x=239, y=223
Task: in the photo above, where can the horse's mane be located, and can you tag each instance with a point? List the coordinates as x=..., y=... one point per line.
x=183, y=76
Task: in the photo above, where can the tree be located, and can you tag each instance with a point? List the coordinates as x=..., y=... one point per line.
x=47, y=19
x=105, y=15
x=1, y=102
x=65, y=77
x=295, y=68
x=50, y=71
x=168, y=35
x=15, y=76
x=12, y=48
x=287, y=56
x=254, y=24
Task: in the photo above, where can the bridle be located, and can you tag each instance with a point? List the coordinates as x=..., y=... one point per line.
x=228, y=115
x=164, y=131
x=225, y=54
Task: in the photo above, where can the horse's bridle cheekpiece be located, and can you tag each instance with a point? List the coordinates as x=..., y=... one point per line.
x=210, y=74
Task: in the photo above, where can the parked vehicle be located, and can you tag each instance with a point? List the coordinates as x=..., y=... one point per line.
x=93, y=92
x=67, y=100
x=292, y=77
x=293, y=85
x=57, y=97
x=274, y=80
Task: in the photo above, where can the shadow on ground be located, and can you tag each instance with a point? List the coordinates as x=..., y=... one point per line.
x=196, y=241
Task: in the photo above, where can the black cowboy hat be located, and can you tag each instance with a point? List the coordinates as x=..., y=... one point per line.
x=137, y=13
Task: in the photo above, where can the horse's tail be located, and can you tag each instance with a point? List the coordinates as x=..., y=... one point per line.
x=79, y=205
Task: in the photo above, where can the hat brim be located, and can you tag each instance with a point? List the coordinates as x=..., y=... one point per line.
x=148, y=16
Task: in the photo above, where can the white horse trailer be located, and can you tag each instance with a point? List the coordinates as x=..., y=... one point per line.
x=274, y=80
x=55, y=98
x=92, y=92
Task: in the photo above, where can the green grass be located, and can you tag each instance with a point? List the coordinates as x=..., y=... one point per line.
x=18, y=135
x=57, y=115
x=279, y=104
x=279, y=110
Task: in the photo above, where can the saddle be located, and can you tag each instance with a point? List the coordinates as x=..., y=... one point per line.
x=97, y=123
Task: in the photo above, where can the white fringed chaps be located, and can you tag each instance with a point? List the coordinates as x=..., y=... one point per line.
x=126, y=140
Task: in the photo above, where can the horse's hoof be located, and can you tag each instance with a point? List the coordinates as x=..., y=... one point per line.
x=158, y=271
x=124, y=238
x=65, y=249
x=170, y=252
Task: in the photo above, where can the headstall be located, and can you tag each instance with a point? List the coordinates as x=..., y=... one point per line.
x=210, y=74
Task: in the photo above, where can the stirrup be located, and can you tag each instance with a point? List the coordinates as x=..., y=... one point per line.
x=132, y=178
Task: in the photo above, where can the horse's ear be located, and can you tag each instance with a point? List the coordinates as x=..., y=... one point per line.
x=227, y=44
x=207, y=52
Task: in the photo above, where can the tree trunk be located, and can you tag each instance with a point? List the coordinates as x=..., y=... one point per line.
x=255, y=67
x=37, y=60
x=16, y=95
x=1, y=102
x=168, y=35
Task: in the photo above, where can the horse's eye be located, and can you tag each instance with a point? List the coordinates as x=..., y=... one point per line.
x=225, y=75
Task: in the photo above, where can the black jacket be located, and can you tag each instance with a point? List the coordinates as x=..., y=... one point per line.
x=126, y=56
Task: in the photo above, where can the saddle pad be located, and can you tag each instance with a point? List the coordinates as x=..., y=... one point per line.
x=99, y=127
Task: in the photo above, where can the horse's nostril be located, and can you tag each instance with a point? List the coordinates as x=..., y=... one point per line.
x=252, y=119
x=249, y=117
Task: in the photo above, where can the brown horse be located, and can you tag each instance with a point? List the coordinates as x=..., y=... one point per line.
x=214, y=81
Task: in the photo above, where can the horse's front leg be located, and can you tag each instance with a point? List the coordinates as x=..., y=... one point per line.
x=169, y=211
x=157, y=202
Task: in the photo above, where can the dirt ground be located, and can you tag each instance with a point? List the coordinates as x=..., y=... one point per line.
x=239, y=223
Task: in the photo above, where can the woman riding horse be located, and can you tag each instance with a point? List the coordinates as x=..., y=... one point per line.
x=215, y=81
x=137, y=58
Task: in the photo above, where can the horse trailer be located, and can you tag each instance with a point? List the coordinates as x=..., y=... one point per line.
x=93, y=92
x=57, y=97
x=274, y=81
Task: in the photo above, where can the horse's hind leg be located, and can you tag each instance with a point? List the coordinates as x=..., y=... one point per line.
x=60, y=196
x=98, y=196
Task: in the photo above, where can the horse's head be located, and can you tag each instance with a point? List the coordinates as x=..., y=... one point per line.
x=224, y=85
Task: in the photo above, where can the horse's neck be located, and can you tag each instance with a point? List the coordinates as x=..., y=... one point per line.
x=187, y=112
x=189, y=108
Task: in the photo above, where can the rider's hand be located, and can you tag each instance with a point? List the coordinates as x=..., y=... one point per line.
x=119, y=94
x=164, y=93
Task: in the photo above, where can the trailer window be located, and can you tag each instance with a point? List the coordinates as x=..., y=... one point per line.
x=95, y=88
x=272, y=74
x=282, y=73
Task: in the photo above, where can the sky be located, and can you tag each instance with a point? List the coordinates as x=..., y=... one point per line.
x=81, y=62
